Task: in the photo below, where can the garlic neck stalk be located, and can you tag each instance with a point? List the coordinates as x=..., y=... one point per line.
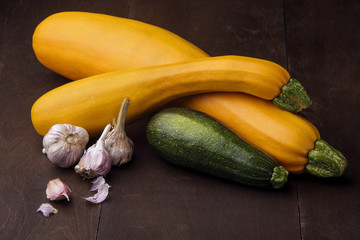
x=100, y=143
x=117, y=143
x=120, y=123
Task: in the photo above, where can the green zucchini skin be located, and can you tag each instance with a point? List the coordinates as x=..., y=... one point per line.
x=194, y=140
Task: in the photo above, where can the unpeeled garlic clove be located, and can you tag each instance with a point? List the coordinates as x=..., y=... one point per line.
x=64, y=144
x=57, y=190
x=96, y=161
x=117, y=143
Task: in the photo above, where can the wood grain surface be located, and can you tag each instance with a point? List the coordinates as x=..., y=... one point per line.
x=317, y=41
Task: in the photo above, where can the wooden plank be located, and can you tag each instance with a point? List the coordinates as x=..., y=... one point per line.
x=244, y=28
x=151, y=199
x=324, y=53
x=24, y=170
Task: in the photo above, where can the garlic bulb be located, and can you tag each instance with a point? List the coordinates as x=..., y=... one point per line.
x=117, y=143
x=96, y=161
x=64, y=144
x=57, y=190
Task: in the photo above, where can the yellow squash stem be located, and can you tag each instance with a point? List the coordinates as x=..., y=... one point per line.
x=292, y=140
x=93, y=102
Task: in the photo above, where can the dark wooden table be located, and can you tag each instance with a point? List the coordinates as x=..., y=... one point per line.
x=317, y=41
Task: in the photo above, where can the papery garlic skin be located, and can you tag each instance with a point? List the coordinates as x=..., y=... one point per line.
x=64, y=144
x=102, y=189
x=97, y=183
x=47, y=209
x=96, y=161
x=57, y=190
x=117, y=143
x=100, y=196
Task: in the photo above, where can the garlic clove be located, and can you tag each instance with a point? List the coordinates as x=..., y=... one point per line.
x=117, y=143
x=47, y=209
x=57, y=190
x=64, y=144
x=102, y=189
x=96, y=161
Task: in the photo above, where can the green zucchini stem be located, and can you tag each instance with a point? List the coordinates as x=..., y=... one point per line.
x=325, y=161
x=293, y=97
x=279, y=177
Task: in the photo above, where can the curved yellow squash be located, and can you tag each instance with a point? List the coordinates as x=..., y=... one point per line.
x=81, y=44
x=283, y=135
x=94, y=101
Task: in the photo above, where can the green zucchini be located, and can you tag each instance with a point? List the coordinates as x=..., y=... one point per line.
x=194, y=140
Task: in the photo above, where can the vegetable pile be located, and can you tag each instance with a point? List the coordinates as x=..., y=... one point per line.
x=230, y=116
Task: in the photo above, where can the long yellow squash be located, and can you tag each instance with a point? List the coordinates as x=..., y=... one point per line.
x=93, y=102
x=289, y=138
x=81, y=44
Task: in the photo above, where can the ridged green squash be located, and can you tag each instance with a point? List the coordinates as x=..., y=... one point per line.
x=194, y=140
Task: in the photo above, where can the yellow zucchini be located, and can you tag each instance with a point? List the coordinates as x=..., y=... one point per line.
x=81, y=44
x=94, y=101
x=292, y=140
